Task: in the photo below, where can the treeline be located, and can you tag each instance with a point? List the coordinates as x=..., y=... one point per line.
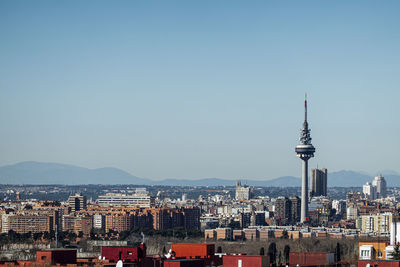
x=29, y=237
x=178, y=232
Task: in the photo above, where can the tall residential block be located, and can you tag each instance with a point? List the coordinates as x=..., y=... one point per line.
x=77, y=202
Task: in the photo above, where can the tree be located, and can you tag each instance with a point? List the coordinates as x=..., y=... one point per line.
x=234, y=225
x=37, y=236
x=272, y=252
x=286, y=253
x=262, y=252
x=46, y=235
x=396, y=253
x=124, y=235
x=12, y=235
x=337, y=252
x=285, y=235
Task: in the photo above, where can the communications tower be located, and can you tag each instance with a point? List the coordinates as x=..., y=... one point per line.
x=305, y=150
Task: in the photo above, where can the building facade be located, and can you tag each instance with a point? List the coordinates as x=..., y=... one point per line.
x=30, y=223
x=77, y=202
x=139, y=199
x=380, y=184
x=242, y=192
x=369, y=191
x=318, y=182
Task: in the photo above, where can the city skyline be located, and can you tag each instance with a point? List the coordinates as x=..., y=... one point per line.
x=192, y=90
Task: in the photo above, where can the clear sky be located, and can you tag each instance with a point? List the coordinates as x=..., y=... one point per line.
x=194, y=89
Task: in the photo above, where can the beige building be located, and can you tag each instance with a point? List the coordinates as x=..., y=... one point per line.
x=224, y=233
x=30, y=223
x=376, y=223
x=209, y=233
x=77, y=224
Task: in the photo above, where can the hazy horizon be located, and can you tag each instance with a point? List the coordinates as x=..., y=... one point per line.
x=200, y=89
x=383, y=172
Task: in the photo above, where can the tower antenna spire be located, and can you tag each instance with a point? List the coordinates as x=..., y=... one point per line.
x=305, y=107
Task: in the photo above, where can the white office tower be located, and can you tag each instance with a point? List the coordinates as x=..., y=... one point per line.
x=140, y=199
x=380, y=185
x=369, y=191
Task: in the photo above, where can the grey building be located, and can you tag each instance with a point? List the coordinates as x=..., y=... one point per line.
x=380, y=184
x=282, y=210
x=295, y=209
x=319, y=182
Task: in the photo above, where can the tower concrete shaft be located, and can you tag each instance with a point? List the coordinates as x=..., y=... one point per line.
x=304, y=191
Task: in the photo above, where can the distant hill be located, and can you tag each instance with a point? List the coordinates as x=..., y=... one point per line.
x=348, y=178
x=31, y=172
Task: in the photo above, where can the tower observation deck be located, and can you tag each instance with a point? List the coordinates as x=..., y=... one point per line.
x=305, y=150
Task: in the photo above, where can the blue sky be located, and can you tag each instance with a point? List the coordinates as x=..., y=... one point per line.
x=193, y=89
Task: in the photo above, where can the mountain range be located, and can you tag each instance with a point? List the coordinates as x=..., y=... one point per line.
x=30, y=172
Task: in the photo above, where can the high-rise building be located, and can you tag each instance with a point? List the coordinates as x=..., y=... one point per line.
x=282, y=210
x=318, y=182
x=369, y=191
x=380, y=184
x=77, y=202
x=287, y=210
x=295, y=209
x=305, y=150
x=243, y=192
x=191, y=218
